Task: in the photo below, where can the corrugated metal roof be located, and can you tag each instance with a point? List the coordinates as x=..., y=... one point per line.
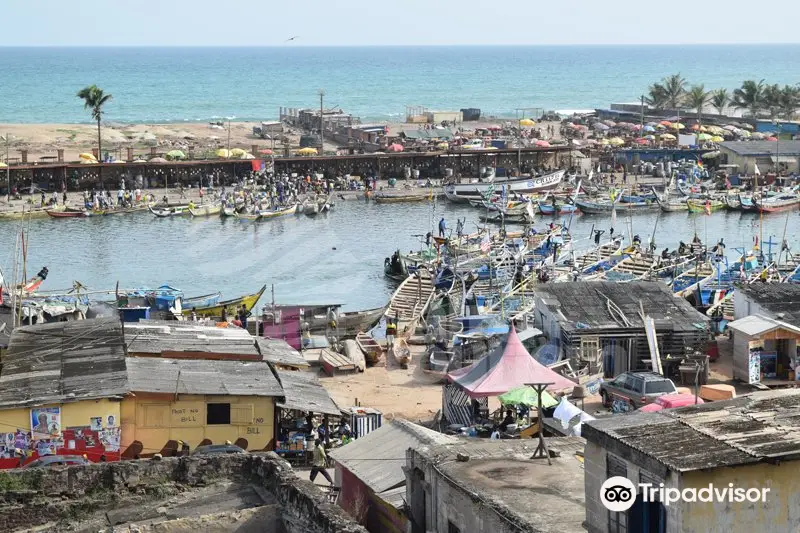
x=303, y=392
x=780, y=299
x=378, y=458
x=64, y=361
x=757, y=427
x=763, y=148
x=278, y=352
x=157, y=337
x=191, y=376
x=757, y=325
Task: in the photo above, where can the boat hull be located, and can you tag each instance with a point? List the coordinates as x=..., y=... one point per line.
x=464, y=192
x=215, y=311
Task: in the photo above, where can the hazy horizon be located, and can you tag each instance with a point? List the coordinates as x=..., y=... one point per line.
x=245, y=23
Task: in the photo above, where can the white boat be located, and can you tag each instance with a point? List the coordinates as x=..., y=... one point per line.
x=464, y=192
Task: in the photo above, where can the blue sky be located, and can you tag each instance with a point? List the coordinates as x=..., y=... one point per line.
x=405, y=22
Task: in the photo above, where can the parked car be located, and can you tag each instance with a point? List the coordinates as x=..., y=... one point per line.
x=57, y=460
x=636, y=389
x=217, y=449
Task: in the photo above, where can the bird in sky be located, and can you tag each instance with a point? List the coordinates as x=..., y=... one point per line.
x=291, y=38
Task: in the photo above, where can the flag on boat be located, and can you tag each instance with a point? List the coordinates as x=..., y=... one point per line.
x=486, y=244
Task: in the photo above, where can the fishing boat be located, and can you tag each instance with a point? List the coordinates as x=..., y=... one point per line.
x=410, y=301
x=464, y=192
x=247, y=216
x=689, y=280
x=401, y=352
x=206, y=210
x=776, y=204
x=310, y=207
x=203, y=301
x=228, y=211
x=350, y=323
x=595, y=208
x=672, y=205
x=746, y=203
x=632, y=268
x=215, y=310
x=732, y=202
x=278, y=212
x=598, y=254
x=69, y=214
x=402, y=197
x=557, y=209
x=703, y=206
x=372, y=350
x=164, y=212
x=638, y=198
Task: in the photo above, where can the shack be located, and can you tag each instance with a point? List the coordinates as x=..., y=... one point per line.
x=369, y=472
x=768, y=155
x=764, y=350
x=583, y=317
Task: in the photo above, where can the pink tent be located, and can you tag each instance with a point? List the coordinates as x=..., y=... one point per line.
x=501, y=371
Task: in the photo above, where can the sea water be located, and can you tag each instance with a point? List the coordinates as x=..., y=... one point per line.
x=375, y=83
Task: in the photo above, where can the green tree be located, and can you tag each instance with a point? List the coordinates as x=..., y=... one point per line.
x=656, y=96
x=789, y=101
x=94, y=99
x=719, y=99
x=772, y=100
x=674, y=88
x=697, y=98
x=750, y=96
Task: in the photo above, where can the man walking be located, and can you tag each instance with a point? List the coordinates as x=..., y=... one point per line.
x=320, y=462
x=442, y=227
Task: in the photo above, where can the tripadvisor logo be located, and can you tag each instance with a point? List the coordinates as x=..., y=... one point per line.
x=618, y=494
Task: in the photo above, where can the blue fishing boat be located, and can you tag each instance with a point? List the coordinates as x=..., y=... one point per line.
x=563, y=209
x=637, y=199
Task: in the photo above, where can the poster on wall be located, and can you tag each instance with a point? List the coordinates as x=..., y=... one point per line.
x=96, y=423
x=49, y=446
x=45, y=422
x=110, y=439
x=111, y=421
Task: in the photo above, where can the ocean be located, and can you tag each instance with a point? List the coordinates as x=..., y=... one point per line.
x=374, y=83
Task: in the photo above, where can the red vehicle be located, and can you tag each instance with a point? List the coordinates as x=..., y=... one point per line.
x=670, y=401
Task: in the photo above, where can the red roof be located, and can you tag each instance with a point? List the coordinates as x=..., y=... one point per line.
x=501, y=371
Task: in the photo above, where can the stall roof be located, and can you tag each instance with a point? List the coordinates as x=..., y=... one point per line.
x=758, y=325
x=302, y=391
x=192, y=376
x=763, y=148
x=64, y=361
x=378, y=458
x=278, y=352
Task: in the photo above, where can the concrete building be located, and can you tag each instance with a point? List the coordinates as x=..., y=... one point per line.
x=780, y=301
x=370, y=473
x=749, y=442
x=766, y=154
x=494, y=486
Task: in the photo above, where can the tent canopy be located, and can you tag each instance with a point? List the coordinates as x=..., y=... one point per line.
x=507, y=367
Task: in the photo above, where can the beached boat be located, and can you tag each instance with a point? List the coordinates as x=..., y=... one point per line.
x=215, y=310
x=69, y=214
x=206, y=210
x=203, y=301
x=165, y=212
x=410, y=301
x=703, y=206
x=632, y=268
x=350, y=323
x=403, y=197
x=372, y=350
x=464, y=192
x=278, y=212
x=228, y=211
x=401, y=352
x=776, y=204
x=689, y=280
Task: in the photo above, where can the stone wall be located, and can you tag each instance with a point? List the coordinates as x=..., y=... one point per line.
x=31, y=497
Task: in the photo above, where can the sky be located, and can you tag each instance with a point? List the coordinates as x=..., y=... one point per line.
x=406, y=22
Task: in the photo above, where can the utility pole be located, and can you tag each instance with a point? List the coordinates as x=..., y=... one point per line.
x=641, y=120
x=8, y=169
x=321, y=122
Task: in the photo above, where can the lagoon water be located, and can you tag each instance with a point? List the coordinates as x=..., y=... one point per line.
x=333, y=258
x=375, y=83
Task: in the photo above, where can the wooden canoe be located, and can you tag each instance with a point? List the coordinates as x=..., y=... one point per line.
x=68, y=214
x=372, y=350
x=290, y=210
x=401, y=352
x=215, y=311
x=175, y=211
x=354, y=322
x=206, y=210
x=247, y=216
x=410, y=301
x=333, y=363
x=228, y=212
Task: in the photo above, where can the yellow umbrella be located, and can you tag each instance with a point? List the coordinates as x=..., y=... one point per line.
x=616, y=141
x=307, y=151
x=88, y=156
x=668, y=137
x=604, y=141
x=237, y=152
x=443, y=146
x=678, y=126
x=717, y=139
x=224, y=153
x=526, y=122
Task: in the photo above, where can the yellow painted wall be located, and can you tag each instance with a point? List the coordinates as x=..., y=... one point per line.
x=74, y=414
x=781, y=512
x=155, y=419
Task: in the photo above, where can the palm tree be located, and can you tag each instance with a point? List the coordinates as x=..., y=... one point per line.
x=697, y=98
x=789, y=101
x=750, y=97
x=772, y=100
x=674, y=87
x=657, y=96
x=719, y=99
x=94, y=99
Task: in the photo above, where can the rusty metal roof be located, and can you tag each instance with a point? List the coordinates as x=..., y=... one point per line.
x=303, y=392
x=761, y=426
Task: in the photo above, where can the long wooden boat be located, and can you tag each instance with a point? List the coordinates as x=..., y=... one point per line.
x=776, y=204
x=597, y=255
x=203, y=301
x=632, y=268
x=174, y=211
x=372, y=350
x=68, y=214
x=214, y=311
x=401, y=352
x=228, y=211
x=410, y=301
x=279, y=212
x=206, y=210
x=703, y=206
x=396, y=198
x=671, y=206
x=350, y=323
x=247, y=216
x=686, y=283
x=550, y=209
x=746, y=203
x=310, y=208
x=464, y=192
x=732, y=202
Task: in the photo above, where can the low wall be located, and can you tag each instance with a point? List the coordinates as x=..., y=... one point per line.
x=32, y=497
